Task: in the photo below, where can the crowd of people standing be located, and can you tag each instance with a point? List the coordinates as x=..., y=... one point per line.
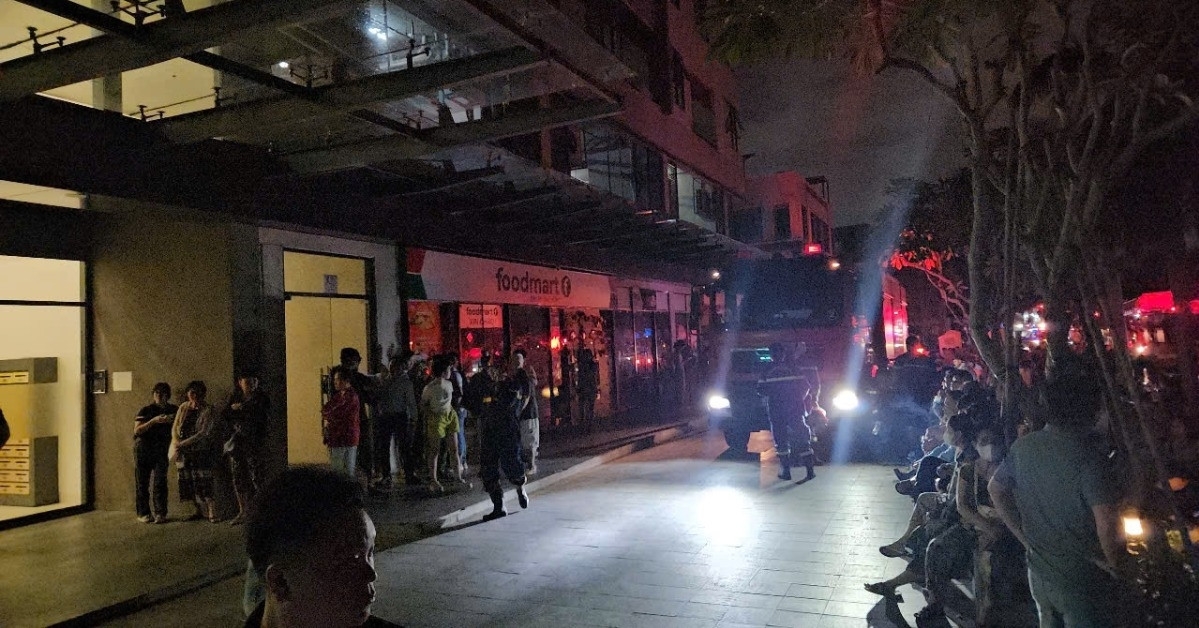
x=416, y=413
x=406, y=423
x=196, y=438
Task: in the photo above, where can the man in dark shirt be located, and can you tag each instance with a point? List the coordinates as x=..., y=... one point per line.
x=151, y=440
x=247, y=414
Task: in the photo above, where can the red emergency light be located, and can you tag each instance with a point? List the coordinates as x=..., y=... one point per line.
x=813, y=248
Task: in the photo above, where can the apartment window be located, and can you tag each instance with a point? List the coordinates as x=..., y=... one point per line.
x=617, y=163
x=732, y=125
x=678, y=81
x=746, y=226
x=820, y=232
x=672, y=190
x=782, y=222
x=697, y=199
x=703, y=117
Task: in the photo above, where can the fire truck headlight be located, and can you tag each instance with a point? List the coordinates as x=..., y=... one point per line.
x=718, y=402
x=846, y=400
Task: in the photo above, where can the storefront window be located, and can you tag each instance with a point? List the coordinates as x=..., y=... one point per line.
x=529, y=327
x=480, y=331
x=590, y=329
x=625, y=347
x=42, y=362
x=424, y=327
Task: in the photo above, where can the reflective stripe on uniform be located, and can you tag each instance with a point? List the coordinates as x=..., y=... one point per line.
x=789, y=378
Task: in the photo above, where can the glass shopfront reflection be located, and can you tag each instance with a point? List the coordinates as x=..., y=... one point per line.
x=42, y=362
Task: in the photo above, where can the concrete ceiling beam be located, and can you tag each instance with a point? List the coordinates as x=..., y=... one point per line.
x=252, y=117
x=166, y=39
x=395, y=147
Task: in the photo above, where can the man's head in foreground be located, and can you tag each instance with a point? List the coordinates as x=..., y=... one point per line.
x=312, y=543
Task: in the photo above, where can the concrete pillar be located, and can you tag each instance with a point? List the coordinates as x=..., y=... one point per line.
x=106, y=90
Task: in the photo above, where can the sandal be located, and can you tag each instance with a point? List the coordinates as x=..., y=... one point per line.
x=879, y=588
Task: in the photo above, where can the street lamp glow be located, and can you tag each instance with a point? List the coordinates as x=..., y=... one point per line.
x=1133, y=527
x=715, y=274
x=718, y=402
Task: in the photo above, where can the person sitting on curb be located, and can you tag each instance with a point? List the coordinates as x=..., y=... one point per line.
x=312, y=543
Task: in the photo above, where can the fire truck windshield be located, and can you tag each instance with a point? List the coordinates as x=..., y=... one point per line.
x=780, y=294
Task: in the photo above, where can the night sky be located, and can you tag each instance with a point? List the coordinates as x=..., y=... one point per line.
x=818, y=118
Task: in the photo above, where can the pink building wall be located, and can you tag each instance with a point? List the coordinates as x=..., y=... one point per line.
x=672, y=132
x=788, y=187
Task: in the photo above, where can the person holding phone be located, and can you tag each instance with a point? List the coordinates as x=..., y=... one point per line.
x=151, y=440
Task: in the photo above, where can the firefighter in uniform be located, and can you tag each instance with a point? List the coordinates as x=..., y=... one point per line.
x=786, y=391
x=503, y=396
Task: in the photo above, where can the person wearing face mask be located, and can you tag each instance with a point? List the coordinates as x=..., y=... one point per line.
x=950, y=554
x=930, y=504
x=922, y=478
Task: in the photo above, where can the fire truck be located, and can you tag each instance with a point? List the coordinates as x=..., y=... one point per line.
x=839, y=322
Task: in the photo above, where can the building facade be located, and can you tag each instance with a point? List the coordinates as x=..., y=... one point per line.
x=786, y=214
x=256, y=184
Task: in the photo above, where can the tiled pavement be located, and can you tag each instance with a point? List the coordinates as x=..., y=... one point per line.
x=102, y=563
x=669, y=537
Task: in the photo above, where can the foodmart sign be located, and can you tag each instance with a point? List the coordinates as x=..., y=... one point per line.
x=440, y=276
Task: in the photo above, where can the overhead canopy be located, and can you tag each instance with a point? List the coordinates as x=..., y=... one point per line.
x=374, y=117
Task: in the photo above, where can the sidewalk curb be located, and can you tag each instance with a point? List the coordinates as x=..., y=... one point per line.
x=152, y=598
x=646, y=441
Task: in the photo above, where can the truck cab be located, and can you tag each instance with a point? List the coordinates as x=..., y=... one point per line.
x=809, y=305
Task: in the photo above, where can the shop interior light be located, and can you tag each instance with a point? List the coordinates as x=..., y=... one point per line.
x=1133, y=527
